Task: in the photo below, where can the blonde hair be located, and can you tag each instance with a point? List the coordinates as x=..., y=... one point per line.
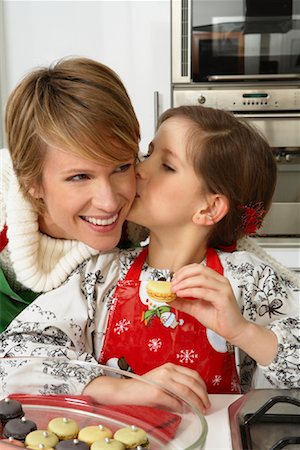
x=233, y=159
x=78, y=103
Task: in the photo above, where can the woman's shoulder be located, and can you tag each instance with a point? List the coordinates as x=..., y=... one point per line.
x=114, y=260
x=5, y=161
x=5, y=169
x=241, y=262
x=248, y=266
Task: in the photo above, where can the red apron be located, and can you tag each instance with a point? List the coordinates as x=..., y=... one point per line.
x=144, y=334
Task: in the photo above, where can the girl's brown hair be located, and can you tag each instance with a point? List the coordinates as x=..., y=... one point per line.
x=234, y=160
x=78, y=103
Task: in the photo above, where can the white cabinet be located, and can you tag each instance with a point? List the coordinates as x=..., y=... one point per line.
x=132, y=37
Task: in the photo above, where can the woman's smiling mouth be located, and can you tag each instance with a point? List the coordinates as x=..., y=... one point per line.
x=101, y=222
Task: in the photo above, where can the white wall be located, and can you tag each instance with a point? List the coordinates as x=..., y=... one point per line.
x=132, y=37
x=2, y=75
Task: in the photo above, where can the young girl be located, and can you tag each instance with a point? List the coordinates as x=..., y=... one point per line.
x=208, y=179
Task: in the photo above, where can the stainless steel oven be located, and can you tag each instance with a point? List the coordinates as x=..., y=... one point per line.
x=244, y=56
x=266, y=419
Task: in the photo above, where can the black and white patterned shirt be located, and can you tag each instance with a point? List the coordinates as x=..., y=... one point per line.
x=53, y=346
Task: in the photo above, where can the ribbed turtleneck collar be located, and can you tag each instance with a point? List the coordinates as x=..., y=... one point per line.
x=41, y=263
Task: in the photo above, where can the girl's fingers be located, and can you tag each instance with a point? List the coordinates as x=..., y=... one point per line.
x=210, y=280
x=192, y=270
x=191, y=390
x=184, y=382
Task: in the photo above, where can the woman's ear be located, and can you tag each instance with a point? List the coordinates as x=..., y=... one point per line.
x=35, y=192
x=216, y=208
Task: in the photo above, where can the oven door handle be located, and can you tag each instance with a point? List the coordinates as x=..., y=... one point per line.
x=282, y=76
x=270, y=115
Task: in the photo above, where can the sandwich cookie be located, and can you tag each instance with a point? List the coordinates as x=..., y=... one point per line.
x=18, y=428
x=64, y=428
x=160, y=291
x=72, y=444
x=41, y=437
x=107, y=444
x=10, y=409
x=132, y=437
x=94, y=433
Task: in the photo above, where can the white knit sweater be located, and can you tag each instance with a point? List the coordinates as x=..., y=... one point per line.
x=31, y=259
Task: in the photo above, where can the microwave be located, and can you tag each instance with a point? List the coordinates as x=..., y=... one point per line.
x=235, y=40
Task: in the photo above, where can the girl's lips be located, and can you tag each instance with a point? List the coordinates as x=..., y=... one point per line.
x=101, y=222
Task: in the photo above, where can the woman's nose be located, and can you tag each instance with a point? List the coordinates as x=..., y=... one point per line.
x=105, y=197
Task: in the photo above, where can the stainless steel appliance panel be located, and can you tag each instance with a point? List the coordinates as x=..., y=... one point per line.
x=277, y=115
x=236, y=40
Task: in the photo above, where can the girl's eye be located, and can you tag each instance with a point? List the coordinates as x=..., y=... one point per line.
x=124, y=167
x=149, y=153
x=168, y=168
x=78, y=177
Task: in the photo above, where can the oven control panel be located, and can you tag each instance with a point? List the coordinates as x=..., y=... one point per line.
x=238, y=99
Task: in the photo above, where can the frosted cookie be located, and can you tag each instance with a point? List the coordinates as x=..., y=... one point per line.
x=107, y=444
x=160, y=291
x=64, y=428
x=41, y=447
x=18, y=428
x=10, y=409
x=72, y=444
x=41, y=437
x=94, y=433
x=132, y=437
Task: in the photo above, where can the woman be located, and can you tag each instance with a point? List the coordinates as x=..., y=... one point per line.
x=73, y=115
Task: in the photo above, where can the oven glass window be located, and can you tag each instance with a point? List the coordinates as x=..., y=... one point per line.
x=244, y=37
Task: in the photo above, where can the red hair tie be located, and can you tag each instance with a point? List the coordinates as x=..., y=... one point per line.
x=251, y=217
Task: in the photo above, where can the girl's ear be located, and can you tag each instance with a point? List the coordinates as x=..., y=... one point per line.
x=216, y=208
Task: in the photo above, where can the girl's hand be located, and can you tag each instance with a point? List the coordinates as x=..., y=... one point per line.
x=208, y=296
x=183, y=381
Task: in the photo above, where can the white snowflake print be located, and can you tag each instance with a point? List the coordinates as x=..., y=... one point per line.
x=122, y=326
x=187, y=356
x=235, y=385
x=216, y=380
x=154, y=344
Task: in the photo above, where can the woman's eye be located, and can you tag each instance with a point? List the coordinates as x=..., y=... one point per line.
x=124, y=167
x=78, y=177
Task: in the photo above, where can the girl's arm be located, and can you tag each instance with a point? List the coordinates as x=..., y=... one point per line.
x=213, y=303
x=184, y=382
x=269, y=305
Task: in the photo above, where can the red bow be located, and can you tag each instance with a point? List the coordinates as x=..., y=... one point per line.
x=251, y=217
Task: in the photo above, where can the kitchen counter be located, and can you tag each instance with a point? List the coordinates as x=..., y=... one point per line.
x=218, y=436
